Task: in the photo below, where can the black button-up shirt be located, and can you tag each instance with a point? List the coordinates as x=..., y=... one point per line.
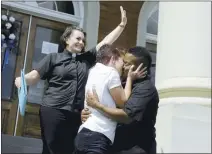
x=66, y=76
x=142, y=108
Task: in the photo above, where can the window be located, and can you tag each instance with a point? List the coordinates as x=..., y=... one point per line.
x=60, y=6
x=152, y=23
x=35, y=93
x=151, y=42
x=151, y=47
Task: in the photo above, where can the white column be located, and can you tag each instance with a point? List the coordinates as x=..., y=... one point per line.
x=183, y=77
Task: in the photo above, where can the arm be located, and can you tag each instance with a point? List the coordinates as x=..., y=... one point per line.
x=116, y=90
x=119, y=95
x=133, y=109
x=40, y=72
x=31, y=78
x=128, y=88
x=113, y=36
x=115, y=114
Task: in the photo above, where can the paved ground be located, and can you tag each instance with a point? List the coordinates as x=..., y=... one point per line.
x=16, y=144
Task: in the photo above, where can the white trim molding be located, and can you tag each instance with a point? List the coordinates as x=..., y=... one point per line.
x=42, y=12
x=181, y=100
x=184, y=82
x=150, y=38
x=79, y=11
x=91, y=22
x=146, y=10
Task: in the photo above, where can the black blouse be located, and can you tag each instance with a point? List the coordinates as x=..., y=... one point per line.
x=66, y=75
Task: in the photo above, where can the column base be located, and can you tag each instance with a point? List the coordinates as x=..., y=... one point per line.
x=184, y=125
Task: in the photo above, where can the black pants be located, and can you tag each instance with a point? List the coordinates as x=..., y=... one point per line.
x=89, y=142
x=138, y=150
x=58, y=129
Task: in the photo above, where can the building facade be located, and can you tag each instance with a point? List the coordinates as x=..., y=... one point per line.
x=178, y=36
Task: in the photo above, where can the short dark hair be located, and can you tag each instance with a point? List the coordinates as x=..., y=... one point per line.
x=142, y=56
x=107, y=51
x=66, y=34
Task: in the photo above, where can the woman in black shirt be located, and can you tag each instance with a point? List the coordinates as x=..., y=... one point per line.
x=66, y=74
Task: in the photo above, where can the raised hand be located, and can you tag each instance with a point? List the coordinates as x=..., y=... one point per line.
x=123, y=16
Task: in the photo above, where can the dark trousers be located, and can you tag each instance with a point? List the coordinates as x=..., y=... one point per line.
x=89, y=142
x=58, y=130
x=138, y=150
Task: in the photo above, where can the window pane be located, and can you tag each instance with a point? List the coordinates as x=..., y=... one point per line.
x=152, y=49
x=152, y=24
x=153, y=74
x=48, y=5
x=50, y=36
x=65, y=6
x=61, y=6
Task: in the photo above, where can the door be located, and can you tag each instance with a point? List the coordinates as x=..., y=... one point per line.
x=10, y=67
x=44, y=38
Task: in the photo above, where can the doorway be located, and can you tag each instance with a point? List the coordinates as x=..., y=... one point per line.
x=42, y=36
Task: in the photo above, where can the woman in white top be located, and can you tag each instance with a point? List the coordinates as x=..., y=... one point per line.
x=97, y=133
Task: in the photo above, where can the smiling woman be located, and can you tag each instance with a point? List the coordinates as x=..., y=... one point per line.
x=73, y=39
x=63, y=98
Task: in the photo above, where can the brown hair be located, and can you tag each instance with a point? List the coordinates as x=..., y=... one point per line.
x=107, y=51
x=66, y=34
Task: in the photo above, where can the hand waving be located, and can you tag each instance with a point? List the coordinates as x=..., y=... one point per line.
x=123, y=16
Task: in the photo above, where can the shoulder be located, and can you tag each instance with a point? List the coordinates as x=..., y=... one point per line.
x=145, y=88
x=50, y=57
x=113, y=72
x=146, y=84
x=55, y=57
x=92, y=50
x=89, y=52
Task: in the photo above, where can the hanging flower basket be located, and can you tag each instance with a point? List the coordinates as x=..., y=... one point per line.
x=9, y=32
x=9, y=37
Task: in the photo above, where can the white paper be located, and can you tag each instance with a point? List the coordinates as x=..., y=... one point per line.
x=48, y=47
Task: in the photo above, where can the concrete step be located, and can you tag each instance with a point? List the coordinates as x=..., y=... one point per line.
x=18, y=144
